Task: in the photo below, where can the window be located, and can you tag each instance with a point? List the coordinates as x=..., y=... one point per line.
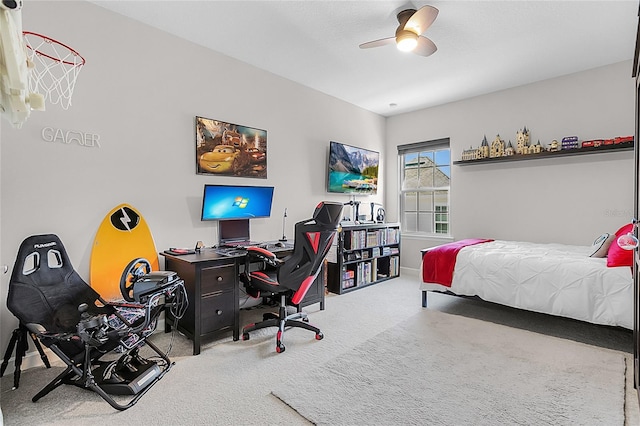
x=425, y=175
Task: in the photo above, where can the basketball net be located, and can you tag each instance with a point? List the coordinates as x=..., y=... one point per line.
x=56, y=68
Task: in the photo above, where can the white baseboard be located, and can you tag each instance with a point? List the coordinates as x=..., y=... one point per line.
x=409, y=272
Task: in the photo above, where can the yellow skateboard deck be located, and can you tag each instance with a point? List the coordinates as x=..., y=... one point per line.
x=122, y=237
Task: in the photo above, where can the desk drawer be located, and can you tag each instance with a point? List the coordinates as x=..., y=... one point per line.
x=217, y=278
x=216, y=312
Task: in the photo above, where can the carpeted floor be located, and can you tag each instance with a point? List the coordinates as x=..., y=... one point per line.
x=442, y=369
x=231, y=382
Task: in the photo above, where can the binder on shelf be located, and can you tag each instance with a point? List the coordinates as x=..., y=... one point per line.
x=348, y=283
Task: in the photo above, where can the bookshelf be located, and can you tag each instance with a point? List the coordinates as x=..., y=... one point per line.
x=364, y=254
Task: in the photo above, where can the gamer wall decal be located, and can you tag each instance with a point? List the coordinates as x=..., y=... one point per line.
x=229, y=149
x=71, y=137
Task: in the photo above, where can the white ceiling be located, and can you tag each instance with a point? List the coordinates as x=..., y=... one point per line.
x=483, y=46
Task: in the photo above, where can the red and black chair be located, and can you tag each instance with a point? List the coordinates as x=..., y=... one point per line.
x=292, y=276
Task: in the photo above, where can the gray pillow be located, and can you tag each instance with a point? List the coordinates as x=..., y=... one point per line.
x=600, y=246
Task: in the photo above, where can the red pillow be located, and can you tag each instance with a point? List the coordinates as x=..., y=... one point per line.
x=618, y=256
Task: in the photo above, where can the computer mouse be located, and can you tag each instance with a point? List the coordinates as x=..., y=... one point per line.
x=279, y=244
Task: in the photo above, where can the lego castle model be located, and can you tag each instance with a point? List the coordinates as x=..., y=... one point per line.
x=499, y=149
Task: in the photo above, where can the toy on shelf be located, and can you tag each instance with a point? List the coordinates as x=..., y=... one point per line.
x=570, y=142
x=509, y=150
x=592, y=143
x=484, y=148
x=497, y=147
x=622, y=139
x=470, y=154
x=536, y=149
x=522, y=141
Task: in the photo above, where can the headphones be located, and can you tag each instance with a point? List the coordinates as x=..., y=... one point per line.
x=380, y=215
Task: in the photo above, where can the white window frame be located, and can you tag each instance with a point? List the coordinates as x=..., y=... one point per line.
x=415, y=148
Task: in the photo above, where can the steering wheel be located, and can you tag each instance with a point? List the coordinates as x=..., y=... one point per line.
x=132, y=273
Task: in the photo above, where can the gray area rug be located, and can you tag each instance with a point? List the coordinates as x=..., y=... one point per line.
x=441, y=369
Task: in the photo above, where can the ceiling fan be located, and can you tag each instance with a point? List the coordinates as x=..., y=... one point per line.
x=409, y=38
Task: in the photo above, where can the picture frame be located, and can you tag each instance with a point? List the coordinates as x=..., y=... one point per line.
x=228, y=149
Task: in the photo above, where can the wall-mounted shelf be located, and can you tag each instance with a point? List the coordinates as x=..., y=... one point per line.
x=628, y=146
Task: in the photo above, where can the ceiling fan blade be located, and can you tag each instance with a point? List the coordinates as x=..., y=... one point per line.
x=425, y=47
x=377, y=43
x=422, y=19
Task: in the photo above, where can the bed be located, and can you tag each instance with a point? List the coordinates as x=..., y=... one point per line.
x=555, y=279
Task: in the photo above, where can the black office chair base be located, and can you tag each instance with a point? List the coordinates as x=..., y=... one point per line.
x=282, y=321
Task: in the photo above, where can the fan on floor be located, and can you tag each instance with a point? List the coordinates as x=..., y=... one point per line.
x=409, y=38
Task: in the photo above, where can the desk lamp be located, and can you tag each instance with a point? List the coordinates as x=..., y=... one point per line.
x=284, y=218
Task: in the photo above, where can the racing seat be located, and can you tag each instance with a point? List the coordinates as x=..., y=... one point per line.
x=98, y=341
x=291, y=277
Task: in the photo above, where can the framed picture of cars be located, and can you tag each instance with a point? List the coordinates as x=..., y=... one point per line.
x=227, y=149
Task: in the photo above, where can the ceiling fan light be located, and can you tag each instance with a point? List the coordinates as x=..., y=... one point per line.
x=406, y=41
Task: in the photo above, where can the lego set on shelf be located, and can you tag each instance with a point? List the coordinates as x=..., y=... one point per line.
x=569, y=145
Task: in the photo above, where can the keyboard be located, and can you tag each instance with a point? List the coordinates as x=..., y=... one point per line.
x=231, y=251
x=236, y=249
x=239, y=244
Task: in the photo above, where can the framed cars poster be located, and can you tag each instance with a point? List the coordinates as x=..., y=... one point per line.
x=227, y=149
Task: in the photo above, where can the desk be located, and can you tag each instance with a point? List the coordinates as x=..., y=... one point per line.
x=212, y=284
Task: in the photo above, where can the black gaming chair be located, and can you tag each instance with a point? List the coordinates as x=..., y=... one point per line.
x=51, y=300
x=292, y=276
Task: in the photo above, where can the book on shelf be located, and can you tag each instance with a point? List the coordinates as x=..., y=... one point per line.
x=372, y=238
x=355, y=239
x=348, y=283
x=394, y=266
x=348, y=278
x=374, y=269
x=392, y=235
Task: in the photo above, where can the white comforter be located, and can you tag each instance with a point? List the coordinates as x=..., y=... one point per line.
x=550, y=278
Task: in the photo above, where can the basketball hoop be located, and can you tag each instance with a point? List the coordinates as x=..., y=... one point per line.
x=56, y=68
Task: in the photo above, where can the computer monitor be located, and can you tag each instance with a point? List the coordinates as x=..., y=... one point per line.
x=224, y=202
x=234, y=230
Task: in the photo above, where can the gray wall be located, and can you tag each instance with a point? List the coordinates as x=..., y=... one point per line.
x=568, y=200
x=142, y=88
x=140, y=92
